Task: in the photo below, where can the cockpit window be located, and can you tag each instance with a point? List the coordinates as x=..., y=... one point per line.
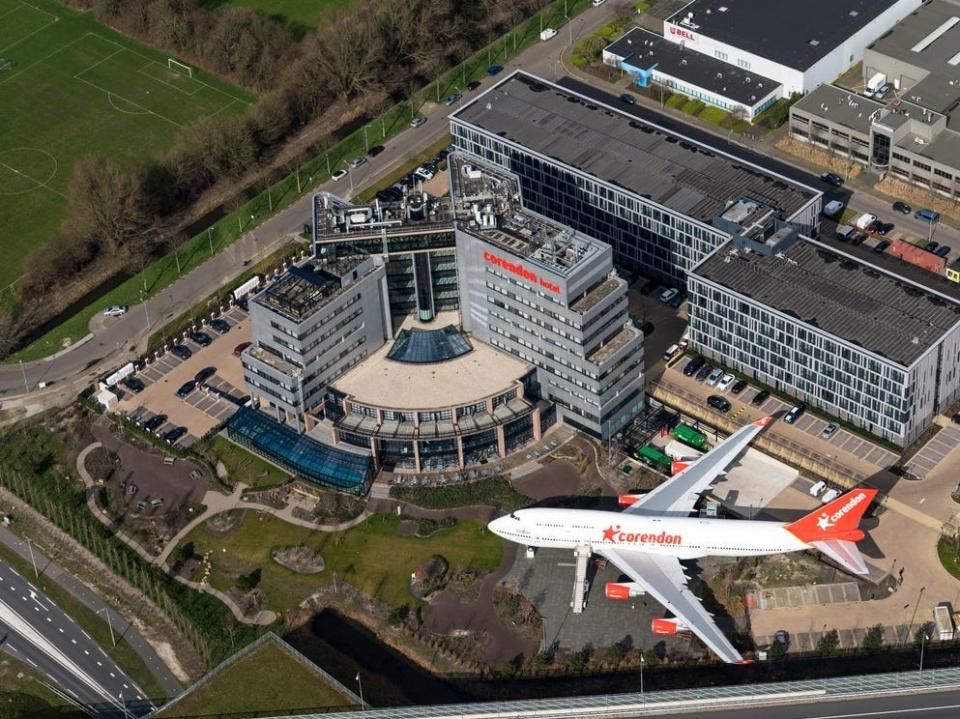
x=513, y=516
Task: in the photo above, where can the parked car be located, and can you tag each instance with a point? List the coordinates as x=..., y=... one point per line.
x=704, y=372
x=473, y=85
x=375, y=150
x=201, y=338
x=417, y=121
x=817, y=488
x=760, y=398
x=858, y=239
x=668, y=294
x=115, y=311
x=881, y=246
x=425, y=173
x=670, y=352
x=902, y=207
x=220, y=325
x=547, y=33
x=181, y=351
x=794, y=414
x=186, y=388
x=874, y=227
x=205, y=374
x=831, y=178
x=931, y=246
x=942, y=251
x=451, y=99
x=719, y=403
x=714, y=376
x=829, y=496
x=694, y=365
x=494, y=70
x=830, y=430
x=243, y=304
x=357, y=161
x=598, y=3
x=172, y=435
x=238, y=350
x=647, y=287
x=885, y=228
x=134, y=384
x=927, y=215
x=155, y=422
x=628, y=98
x=726, y=382
x=338, y=175
x=678, y=299
x=738, y=386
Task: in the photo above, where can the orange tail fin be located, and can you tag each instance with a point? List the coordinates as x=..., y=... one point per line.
x=837, y=520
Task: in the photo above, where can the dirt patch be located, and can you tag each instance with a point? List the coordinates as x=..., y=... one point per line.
x=846, y=168
x=429, y=577
x=225, y=522
x=559, y=478
x=301, y=560
x=101, y=463
x=408, y=527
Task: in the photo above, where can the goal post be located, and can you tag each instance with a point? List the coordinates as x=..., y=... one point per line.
x=177, y=66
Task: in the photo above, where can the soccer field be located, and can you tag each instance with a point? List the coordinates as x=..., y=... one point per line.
x=74, y=86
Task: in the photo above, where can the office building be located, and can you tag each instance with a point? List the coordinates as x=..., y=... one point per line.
x=866, y=338
x=650, y=193
x=548, y=295
x=799, y=45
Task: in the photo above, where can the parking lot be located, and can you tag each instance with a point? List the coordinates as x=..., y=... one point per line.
x=841, y=442
x=212, y=402
x=933, y=452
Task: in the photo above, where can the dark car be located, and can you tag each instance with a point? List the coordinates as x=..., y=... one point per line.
x=902, y=207
x=205, y=374
x=760, y=398
x=956, y=418
x=931, y=246
x=832, y=178
x=220, y=325
x=704, y=373
x=375, y=150
x=494, y=70
x=858, y=239
x=738, y=387
x=719, y=403
x=172, y=435
x=885, y=228
x=155, y=422
x=181, y=351
x=628, y=98
x=450, y=99
x=794, y=414
x=201, y=338
x=693, y=365
x=942, y=251
x=186, y=388
x=473, y=85
x=881, y=247
x=874, y=227
x=238, y=350
x=133, y=384
x=678, y=300
x=243, y=305
x=647, y=287
x=444, y=153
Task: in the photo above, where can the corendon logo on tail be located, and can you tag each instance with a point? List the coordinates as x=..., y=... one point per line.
x=825, y=522
x=613, y=534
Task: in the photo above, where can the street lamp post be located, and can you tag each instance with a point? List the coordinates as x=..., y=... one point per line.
x=106, y=613
x=33, y=560
x=23, y=371
x=363, y=706
x=923, y=641
x=643, y=698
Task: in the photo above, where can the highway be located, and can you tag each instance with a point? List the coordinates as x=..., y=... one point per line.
x=37, y=632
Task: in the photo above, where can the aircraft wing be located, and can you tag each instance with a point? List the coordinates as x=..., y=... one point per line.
x=662, y=577
x=679, y=494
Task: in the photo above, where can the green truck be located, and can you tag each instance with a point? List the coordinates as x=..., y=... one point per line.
x=653, y=457
x=689, y=436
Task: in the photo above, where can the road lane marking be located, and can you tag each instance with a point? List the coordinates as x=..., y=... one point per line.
x=908, y=710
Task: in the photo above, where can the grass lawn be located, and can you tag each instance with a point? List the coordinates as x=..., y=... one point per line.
x=948, y=557
x=308, y=13
x=677, y=101
x=244, y=466
x=494, y=491
x=268, y=680
x=77, y=87
x=96, y=626
x=713, y=114
x=373, y=556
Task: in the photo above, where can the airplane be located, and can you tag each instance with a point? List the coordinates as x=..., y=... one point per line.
x=649, y=538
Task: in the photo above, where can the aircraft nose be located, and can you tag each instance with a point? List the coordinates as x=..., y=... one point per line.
x=496, y=526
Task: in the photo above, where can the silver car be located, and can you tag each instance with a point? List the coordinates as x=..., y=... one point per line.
x=714, y=376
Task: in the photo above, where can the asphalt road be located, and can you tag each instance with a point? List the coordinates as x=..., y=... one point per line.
x=37, y=632
x=117, y=339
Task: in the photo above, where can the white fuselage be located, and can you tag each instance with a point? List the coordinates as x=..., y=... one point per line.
x=682, y=537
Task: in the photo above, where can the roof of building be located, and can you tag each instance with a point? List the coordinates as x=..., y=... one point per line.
x=306, y=287
x=381, y=382
x=850, y=299
x=795, y=34
x=840, y=106
x=929, y=39
x=336, y=220
x=626, y=151
x=646, y=50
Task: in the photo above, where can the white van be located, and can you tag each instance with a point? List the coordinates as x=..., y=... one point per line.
x=832, y=208
x=671, y=351
x=865, y=220
x=816, y=489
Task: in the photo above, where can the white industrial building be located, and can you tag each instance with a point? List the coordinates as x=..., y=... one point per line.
x=799, y=45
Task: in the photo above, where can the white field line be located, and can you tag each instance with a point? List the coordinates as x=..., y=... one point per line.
x=33, y=180
x=29, y=34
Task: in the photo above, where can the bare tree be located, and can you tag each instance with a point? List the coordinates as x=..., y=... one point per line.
x=104, y=203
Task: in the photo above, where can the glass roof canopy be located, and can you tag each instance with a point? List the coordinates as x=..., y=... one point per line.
x=298, y=453
x=425, y=346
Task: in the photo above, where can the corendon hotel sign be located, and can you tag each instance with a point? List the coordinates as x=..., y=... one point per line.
x=520, y=271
